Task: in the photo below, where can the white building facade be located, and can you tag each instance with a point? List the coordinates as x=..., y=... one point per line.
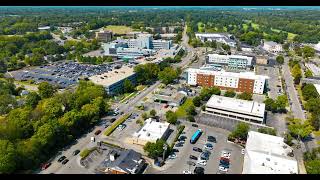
x=272, y=47
x=233, y=61
x=249, y=111
x=219, y=37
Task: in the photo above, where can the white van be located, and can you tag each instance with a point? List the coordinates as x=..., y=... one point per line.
x=93, y=139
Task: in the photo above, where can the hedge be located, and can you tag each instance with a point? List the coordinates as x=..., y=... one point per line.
x=86, y=152
x=116, y=124
x=112, y=145
x=180, y=130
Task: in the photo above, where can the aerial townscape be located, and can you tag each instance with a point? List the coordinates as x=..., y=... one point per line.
x=159, y=90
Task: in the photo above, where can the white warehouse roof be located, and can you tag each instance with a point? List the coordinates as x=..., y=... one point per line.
x=152, y=130
x=267, y=154
x=237, y=105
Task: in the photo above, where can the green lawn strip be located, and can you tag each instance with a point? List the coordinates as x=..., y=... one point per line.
x=128, y=96
x=119, y=29
x=84, y=153
x=110, y=144
x=181, y=112
x=180, y=130
x=116, y=124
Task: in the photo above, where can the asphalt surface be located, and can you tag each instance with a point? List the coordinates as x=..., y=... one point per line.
x=292, y=92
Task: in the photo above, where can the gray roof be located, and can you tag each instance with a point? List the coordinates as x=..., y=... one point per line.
x=127, y=159
x=270, y=43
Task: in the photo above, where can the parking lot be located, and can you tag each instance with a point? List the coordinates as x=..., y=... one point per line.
x=274, y=81
x=179, y=164
x=62, y=74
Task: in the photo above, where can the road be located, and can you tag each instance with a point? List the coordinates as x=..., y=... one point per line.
x=85, y=142
x=292, y=92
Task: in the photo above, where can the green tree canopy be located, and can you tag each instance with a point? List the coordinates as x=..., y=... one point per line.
x=7, y=157
x=245, y=96
x=46, y=90
x=230, y=93
x=171, y=117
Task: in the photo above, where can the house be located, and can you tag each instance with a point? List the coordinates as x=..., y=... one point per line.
x=123, y=162
x=272, y=47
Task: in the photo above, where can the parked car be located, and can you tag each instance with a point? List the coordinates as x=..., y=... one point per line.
x=191, y=163
x=121, y=127
x=166, y=106
x=225, y=159
x=45, y=166
x=197, y=149
x=208, y=146
x=61, y=158
x=223, y=169
x=198, y=170
x=193, y=157
x=179, y=144
x=175, y=150
x=224, y=165
x=65, y=161
x=242, y=151
x=186, y=172
x=172, y=156
x=202, y=162
x=76, y=152
x=211, y=139
x=97, y=132
x=224, y=162
x=182, y=138
x=194, y=125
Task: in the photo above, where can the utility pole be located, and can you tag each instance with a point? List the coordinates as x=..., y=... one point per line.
x=165, y=147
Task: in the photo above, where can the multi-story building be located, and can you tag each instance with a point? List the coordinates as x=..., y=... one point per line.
x=161, y=44
x=267, y=154
x=248, y=111
x=232, y=61
x=219, y=37
x=239, y=82
x=113, y=80
x=272, y=47
x=104, y=36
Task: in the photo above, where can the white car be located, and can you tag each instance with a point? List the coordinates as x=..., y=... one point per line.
x=223, y=169
x=242, y=151
x=172, y=156
x=186, y=172
x=208, y=146
x=121, y=127
x=202, y=162
x=226, y=155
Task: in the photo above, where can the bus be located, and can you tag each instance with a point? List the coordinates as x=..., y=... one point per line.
x=195, y=136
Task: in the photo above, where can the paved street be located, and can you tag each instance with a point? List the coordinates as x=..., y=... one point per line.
x=292, y=92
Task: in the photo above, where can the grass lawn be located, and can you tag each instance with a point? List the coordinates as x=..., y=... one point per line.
x=245, y=26
x=181, y=112
x=115, y=124
x=119, y=29
x=225, y=29
x=291, y=36
x=201, y=29
x=316, y=133
x=255, y=26
x=127, y=96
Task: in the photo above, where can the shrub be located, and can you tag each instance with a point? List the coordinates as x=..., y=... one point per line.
x=116, y=124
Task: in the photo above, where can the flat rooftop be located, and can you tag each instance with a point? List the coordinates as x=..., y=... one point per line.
x=313, y=68
x=152, y=130
x=230, y=56
x=244, y=75
x=111, y=77
x=267, y=154
x=237, y=105
x=317, y=86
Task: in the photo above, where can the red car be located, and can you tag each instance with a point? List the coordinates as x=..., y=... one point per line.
x=166, y=106
x=224, y=159
x=97, y=132
x=45, y=166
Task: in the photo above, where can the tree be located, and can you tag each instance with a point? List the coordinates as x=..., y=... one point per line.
x=299, y=129
x=145, y=116
x=196, y=101
x=46, y=90
x=191, y=111
x=313, y=105
x=167, y=75
x=153, y=113
x=171, y=117
x=128, y=87
x=32, y=99
x=241, y=131
x=269, y=104
x=309, y=91
x=308, y=52
x=190, y=118
x=245, y=96
x=296, y=73
x=146, y=72
x=308, y=73
x=7, y=157
x=313, y=166
x=281, y=103
x=155, y=150
x=230, y=93
x=269, y=131
x=280, y=59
